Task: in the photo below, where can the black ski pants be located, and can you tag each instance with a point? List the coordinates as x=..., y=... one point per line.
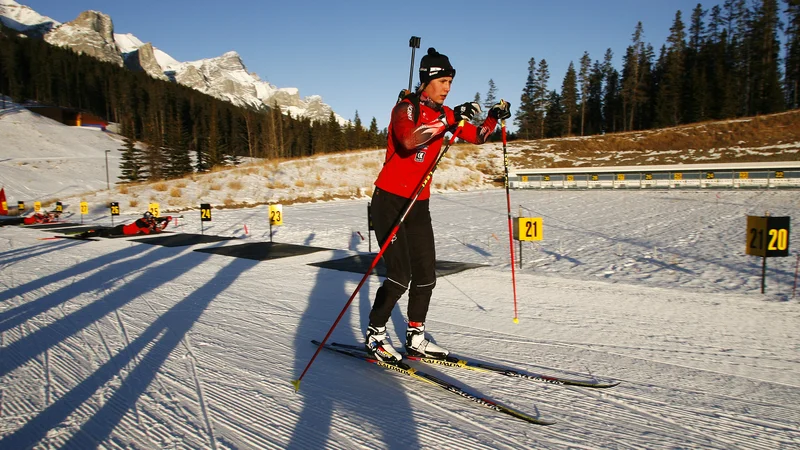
x=410, y=259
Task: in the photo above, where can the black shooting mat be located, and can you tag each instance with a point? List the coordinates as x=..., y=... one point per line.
x=45, y=226
x=11, y=221
x=76, y=230
x=181, y=239
x=262, y=251
x=360, y=264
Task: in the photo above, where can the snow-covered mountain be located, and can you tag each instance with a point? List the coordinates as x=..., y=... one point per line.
x=224, y=77
x=24, y=19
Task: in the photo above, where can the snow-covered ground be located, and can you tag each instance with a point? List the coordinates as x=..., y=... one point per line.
x=118, y=344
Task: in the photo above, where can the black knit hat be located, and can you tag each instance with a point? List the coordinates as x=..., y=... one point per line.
x=434, y=65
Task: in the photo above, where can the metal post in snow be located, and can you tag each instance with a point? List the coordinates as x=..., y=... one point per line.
x=796, y=266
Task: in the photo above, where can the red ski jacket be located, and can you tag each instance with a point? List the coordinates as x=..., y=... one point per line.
x=413, y=146
x=143, y=226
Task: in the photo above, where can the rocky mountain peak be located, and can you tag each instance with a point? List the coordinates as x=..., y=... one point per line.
x=144, y=59
x=92, y=33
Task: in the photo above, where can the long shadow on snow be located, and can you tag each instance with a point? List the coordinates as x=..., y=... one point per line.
x=56, y=332
x=336, y=382
x=17, y=315
x=163, y=336
x=25, y=253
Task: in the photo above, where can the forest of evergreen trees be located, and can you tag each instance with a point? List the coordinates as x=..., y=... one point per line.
x=183, y=130
x=726, y=63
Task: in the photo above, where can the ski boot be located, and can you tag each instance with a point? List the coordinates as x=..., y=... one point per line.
x=417, y=345
x=378, y=346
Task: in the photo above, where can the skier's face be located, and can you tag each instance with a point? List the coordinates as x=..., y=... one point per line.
x=438, y=88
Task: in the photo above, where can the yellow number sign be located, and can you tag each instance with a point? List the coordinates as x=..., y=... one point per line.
x=570, y=177
x=275, y=215
x=620, y=177
x=154, y=209
x=205, y=212
x=768, y=236
x=114, y=208
x=59, y=207
x=677, y=176
x=37, y=206
x=530, y=229
x=84, y=208
x=21, y=206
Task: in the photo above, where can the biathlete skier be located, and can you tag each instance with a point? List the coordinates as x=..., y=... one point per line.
x=416, y=133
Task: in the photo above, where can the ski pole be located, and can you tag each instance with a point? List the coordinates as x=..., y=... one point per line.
x=395, y=228
x=510, y=228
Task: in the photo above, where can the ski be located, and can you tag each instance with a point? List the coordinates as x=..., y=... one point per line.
x=452, y=361
x=405, y=369
x=77, y=238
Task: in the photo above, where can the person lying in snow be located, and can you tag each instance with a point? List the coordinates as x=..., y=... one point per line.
x=148, y=224
x=37, y=218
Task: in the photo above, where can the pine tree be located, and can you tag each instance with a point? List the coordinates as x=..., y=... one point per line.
x=634, y=76
x=554, y=123
x=374, y=134
x=525, y=119
x=766, y=93
x=792, y=61
x=670, y=91
x=491, y=96
x=541, y=95
x=594, y=100
x=358, y=131
x=613, y=117
x=584, y=81
x=569, y=99
x=478, y=119
x=130, y=161
x=695, y=93
x=214, y=154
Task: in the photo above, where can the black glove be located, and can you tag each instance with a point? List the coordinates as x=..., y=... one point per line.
x=466, y=111
x=500, y=111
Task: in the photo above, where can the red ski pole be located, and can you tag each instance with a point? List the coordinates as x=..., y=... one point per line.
x=510, y=227
x=420, y=188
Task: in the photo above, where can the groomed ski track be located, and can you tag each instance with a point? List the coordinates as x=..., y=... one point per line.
x=117, y=344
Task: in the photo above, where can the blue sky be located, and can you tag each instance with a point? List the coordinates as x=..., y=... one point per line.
x=355, y=54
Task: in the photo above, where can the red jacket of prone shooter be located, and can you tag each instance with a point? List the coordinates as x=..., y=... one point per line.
x=38, y=218
x=413, y=146
x=144, y=226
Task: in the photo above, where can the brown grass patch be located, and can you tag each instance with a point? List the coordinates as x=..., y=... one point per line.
x=719, y=142
x=175, y=192
x=235, y=185
x=160, y=186
x=276, y=185
x=133, y=203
